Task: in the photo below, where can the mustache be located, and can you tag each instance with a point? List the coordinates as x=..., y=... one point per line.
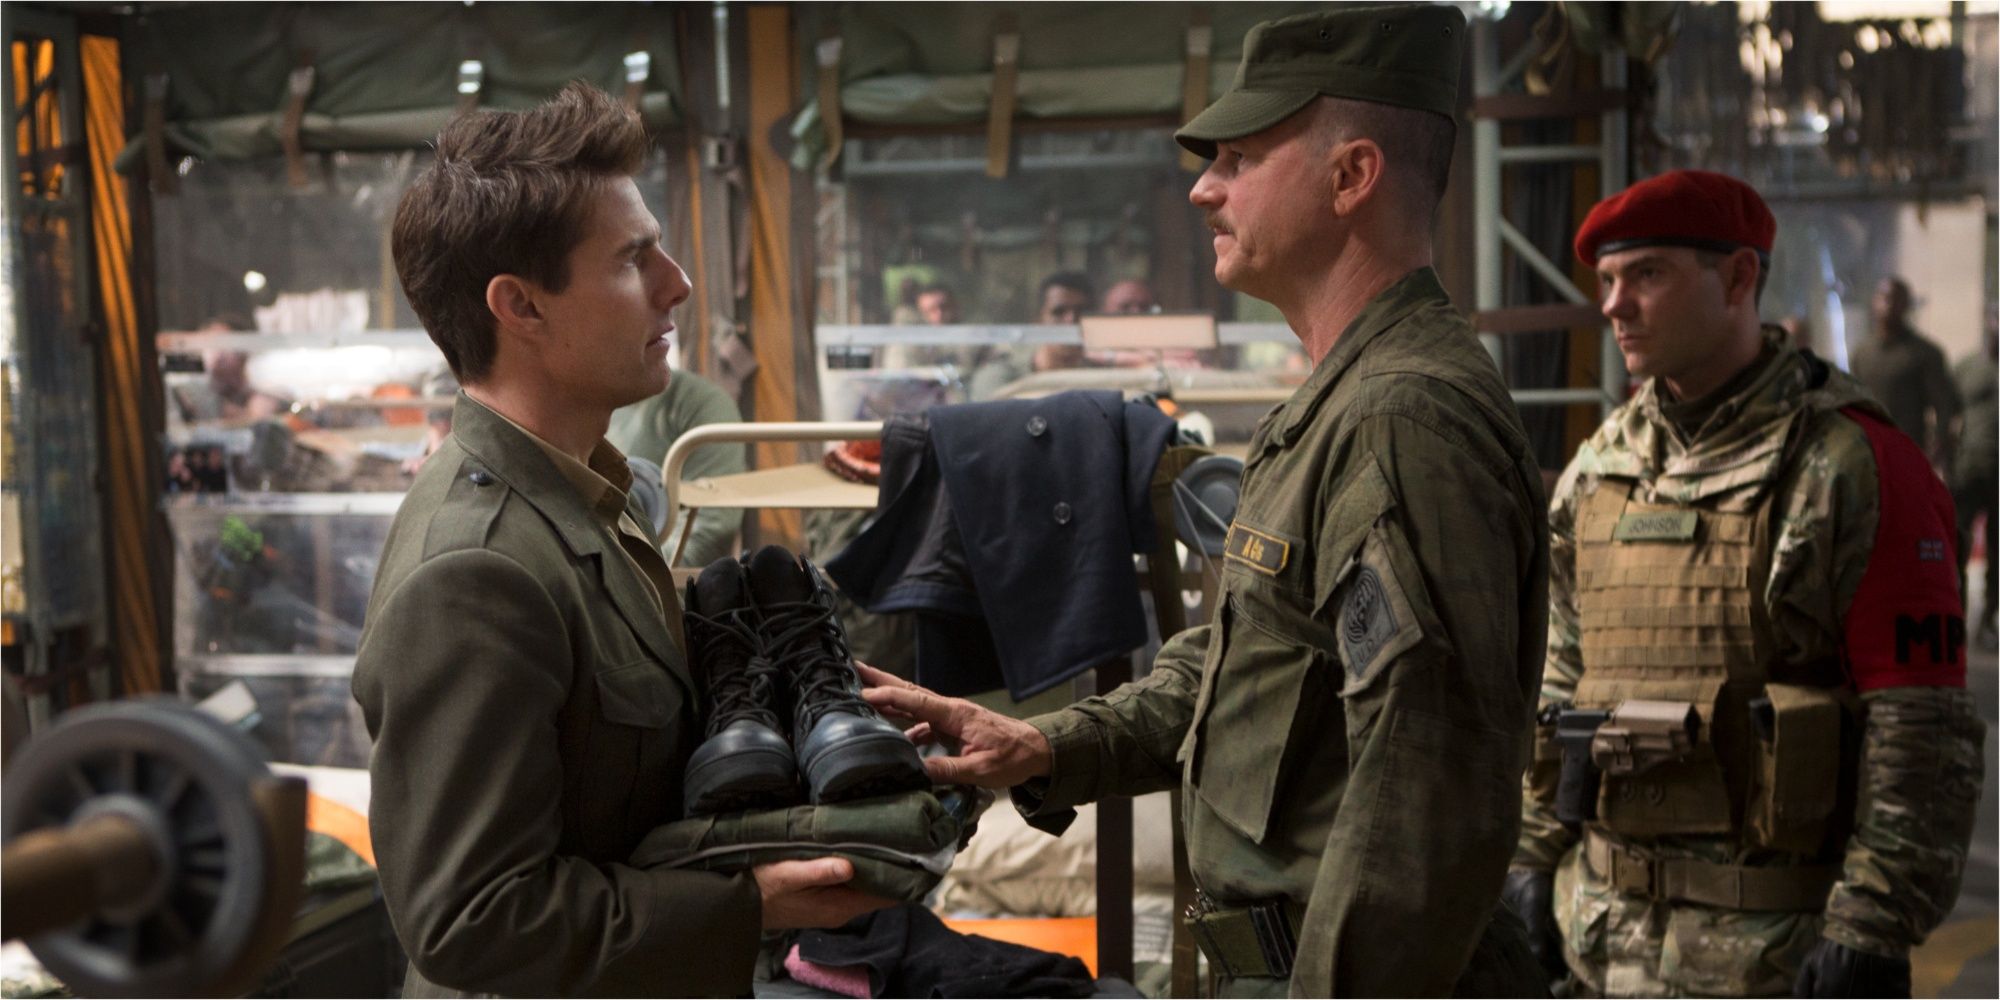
x=1214, y=222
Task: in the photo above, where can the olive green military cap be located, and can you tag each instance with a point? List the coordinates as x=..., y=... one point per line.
x=1404, y=54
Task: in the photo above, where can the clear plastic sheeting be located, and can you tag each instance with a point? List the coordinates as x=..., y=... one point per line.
x=385, y=76
x=237, y=236
x=301, y=395
x=1870, y=130
x=311, y=720
x=256, y=580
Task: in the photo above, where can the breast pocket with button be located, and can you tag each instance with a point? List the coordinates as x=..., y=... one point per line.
x=1268, y=670
x=630, y=763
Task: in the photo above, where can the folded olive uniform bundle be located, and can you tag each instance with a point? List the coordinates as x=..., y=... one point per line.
x=900, y=844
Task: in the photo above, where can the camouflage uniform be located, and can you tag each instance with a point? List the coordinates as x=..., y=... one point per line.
x=1347, y=729
x=1772, y=444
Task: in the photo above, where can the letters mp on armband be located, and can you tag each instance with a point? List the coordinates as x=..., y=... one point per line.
x=1906, y=623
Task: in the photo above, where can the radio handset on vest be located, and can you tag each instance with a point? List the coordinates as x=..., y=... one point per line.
x=1635, y=736
x=1576, y=790
x=1643, y=734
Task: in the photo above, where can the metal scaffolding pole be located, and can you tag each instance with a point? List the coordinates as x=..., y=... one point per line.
x=1495, y=237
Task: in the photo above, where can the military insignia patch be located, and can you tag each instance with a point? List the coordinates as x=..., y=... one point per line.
x=1267, y=554
x=1367, y=622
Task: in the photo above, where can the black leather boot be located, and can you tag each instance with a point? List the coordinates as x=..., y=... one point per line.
x=845, y=750
x=746, y=762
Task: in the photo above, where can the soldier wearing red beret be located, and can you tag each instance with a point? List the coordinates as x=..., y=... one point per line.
x=1757, y=761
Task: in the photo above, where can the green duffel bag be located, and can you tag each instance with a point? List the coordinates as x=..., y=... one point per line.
x=900, y=844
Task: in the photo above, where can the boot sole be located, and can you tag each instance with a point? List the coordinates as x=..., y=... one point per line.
x=863, y=768
x=742, y=781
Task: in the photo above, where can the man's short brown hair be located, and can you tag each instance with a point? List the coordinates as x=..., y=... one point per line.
x=508, y=193
x=1715, y=259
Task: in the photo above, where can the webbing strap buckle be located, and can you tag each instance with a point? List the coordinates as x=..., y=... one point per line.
x=1276, y=937
x=1204, y=937
x=1634, y=872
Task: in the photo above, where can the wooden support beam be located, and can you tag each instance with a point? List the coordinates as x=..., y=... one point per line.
x=773, y=335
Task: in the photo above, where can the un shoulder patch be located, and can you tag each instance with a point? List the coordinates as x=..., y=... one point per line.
x=1367, y=622
x=1375, y=610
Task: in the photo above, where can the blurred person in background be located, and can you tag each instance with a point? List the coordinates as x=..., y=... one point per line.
x=938, y=305
x=1975, y=475
x=1907, y=373
x=226, y=395
x=1063, y=298
x=1129, y=298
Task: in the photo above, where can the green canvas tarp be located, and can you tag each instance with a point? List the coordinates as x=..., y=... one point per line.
x=932, y=63
x=386, y=75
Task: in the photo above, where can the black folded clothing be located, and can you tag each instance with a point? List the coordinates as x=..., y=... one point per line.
x=910, y=953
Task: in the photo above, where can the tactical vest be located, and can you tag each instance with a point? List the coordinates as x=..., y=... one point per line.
x=1669, y=610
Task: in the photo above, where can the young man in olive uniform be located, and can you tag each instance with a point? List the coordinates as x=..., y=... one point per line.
x=1349, y=730
x=1750, y=546
x=522, y=673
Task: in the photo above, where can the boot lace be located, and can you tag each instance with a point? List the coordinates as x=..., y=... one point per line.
x=810, y=647
x=742, y=681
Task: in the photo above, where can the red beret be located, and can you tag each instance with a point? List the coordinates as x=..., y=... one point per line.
x=1688, y=208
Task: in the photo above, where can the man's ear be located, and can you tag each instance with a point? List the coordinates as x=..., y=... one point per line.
x=1739, y=276
x=512, y=303
x=1355, y=173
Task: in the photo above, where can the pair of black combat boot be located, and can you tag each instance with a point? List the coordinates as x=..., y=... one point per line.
x=784, y=699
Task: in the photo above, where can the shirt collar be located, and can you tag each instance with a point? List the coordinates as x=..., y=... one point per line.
x=603, y=484
x=1410, y=292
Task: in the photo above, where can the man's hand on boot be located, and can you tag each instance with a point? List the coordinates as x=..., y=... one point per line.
x=811, y=893
x=992, y=750
x=1833, y=969
x=1531, y=895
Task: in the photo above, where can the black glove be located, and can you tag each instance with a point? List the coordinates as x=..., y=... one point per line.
x=1833, y=969
x=1531, y=895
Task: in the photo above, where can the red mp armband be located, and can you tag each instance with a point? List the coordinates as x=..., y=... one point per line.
x=1906, y=627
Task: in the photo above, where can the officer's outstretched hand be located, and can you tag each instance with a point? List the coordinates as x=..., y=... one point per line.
x=993, y=751
x=1833, y=969
x=812, y=893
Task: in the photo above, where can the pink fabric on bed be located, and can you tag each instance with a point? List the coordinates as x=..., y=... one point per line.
x=846, y=980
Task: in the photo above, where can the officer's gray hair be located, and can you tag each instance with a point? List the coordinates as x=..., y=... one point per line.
x=1417, y=143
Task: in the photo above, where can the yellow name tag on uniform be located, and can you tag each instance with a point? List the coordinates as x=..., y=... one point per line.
x=1658, y=526
x=1264, y=553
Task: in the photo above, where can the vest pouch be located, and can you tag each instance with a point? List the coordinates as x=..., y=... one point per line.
x=1798, y=769
x=1661, y=773
x=1677, y=797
